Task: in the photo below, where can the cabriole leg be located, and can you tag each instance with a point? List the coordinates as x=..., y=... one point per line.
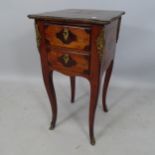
x=73, y=85
x=48, y=80
x=105, y=87
x=94, y=91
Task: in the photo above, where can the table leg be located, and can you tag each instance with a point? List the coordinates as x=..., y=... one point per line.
x=48, y=80
x=73, y=85
x=94, y=92
x=105, y=87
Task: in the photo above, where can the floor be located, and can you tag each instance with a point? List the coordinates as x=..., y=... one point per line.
x=127, y=129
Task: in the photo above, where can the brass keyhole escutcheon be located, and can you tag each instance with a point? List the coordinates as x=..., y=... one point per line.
x=66, y=34
x=66, y=58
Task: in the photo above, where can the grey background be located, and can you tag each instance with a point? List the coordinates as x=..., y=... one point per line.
x=127, y=129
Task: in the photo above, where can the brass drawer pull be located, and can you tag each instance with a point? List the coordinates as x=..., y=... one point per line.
x=65, y=34
x=66, y=58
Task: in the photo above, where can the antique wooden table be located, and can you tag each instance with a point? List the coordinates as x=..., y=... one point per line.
x=78, y=43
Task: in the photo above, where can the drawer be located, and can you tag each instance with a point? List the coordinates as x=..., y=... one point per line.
x=68, y=63
x=68, y=37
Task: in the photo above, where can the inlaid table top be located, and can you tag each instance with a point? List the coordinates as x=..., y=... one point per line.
x=88, y=16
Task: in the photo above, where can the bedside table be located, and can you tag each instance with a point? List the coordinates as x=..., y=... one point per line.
x=78, y=43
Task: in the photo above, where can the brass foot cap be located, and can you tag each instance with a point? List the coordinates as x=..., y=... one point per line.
x=92, y=141
x=72, y=101
x=105, y=109
x=52, y=126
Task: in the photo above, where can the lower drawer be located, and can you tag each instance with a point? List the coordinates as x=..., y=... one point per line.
x=68, y=63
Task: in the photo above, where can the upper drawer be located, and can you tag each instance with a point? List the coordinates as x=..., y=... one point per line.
x=68, y=36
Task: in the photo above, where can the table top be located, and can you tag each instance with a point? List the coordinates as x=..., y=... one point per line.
x=84, y=15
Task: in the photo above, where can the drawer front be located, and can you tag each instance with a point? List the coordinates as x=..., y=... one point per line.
x=68, y=37
x=68, y=63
